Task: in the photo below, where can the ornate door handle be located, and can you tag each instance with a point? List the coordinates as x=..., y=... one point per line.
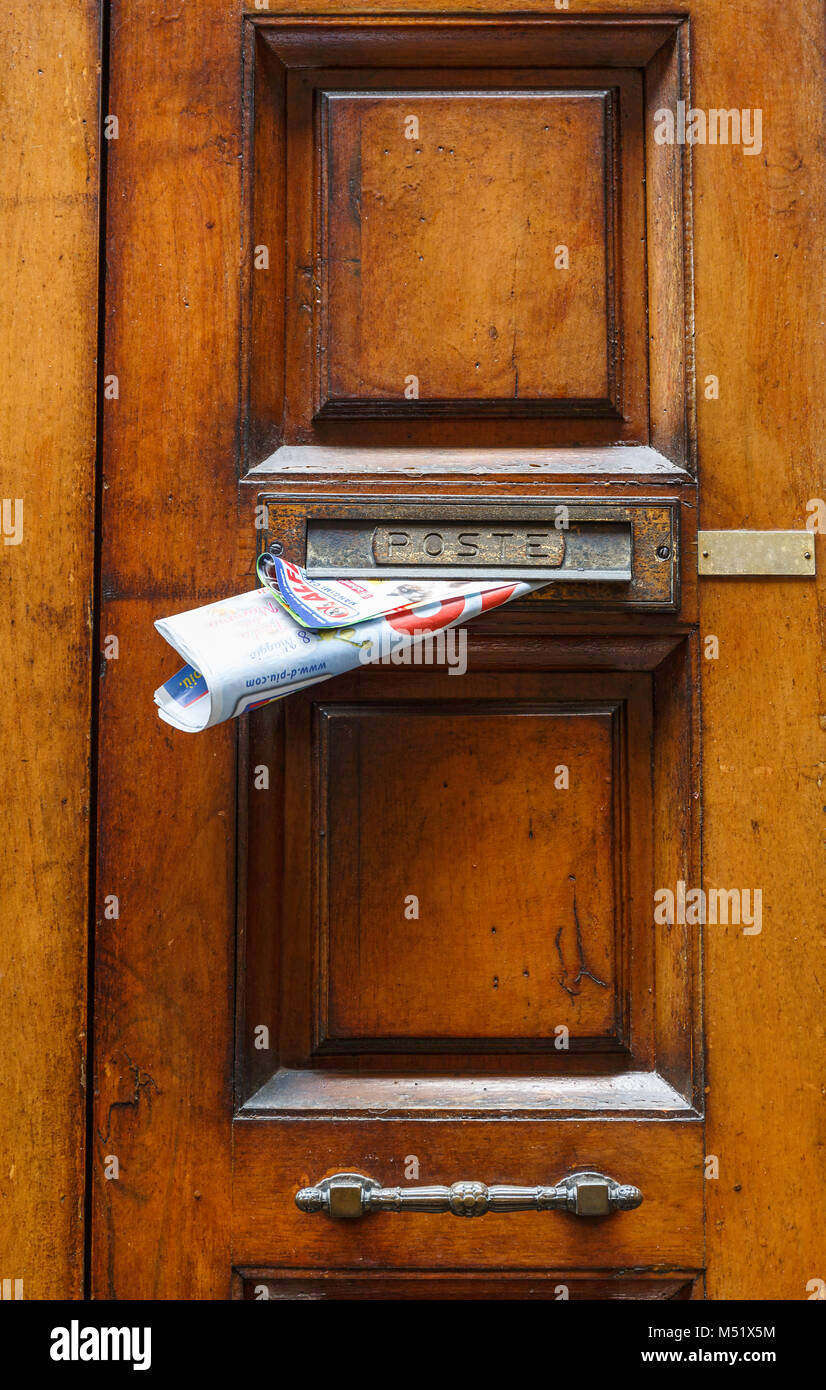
x=581, y=1194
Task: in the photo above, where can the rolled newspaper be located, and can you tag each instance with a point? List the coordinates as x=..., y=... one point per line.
x=246, y=651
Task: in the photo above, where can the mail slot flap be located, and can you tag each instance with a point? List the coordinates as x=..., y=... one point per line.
x=554, y=548
x=588, y=551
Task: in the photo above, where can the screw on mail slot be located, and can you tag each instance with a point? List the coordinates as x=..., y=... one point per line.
x=426, y=544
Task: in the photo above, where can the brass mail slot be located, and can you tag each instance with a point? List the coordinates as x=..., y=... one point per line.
x=579, y=549
x=588, y=552
x=435, y=545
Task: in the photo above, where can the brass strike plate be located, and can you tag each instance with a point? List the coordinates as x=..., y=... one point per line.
x=753, y=554
x=591, y=553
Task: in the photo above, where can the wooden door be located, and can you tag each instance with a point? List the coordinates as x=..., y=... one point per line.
x=433, y=272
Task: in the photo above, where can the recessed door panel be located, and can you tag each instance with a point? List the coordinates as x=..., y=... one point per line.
x=467, y=238
x=477, y=845
x=453, y=878
x=489, y=195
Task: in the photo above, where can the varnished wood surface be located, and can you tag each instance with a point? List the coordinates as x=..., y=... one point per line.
x=759, y=285
x=164, y=1068
x=49, y=171
x=306, y=818
x=490, y=851
x=383, y=253
x=163, y=1079
x=475, y=201
x=333, y=34
x=661, y=1157
x=619, y=462
x=764, y=698
x=167, y=847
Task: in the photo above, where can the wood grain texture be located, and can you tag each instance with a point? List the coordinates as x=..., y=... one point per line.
x=759, y=287
x=165, y=1009
x=167, y=845
x=476, y=202
x=48, y=305
x=491, y=851
x=386, y=242
x=333, y=35
x=164, y=1025
x=661, y=1157
x=765, y=771
x=369, y=838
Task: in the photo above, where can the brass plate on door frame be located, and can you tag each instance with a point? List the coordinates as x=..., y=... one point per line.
x=756, y=554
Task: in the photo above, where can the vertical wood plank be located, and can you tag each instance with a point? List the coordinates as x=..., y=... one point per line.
x=760, y=313
x=167, y=802
x=48, y=307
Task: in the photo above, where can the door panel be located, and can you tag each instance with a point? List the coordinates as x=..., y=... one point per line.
x=453, y=199
x=458, y=871
x=463, y=835
x=498, y=911
x=50, y=176
x=460, y=901
x=520, y=1021
x=421, y=272
x=466, y=866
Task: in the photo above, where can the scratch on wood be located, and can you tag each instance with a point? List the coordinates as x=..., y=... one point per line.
x=142, y=1087
x=583, y=970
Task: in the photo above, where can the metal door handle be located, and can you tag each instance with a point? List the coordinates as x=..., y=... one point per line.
x=581, y=1194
